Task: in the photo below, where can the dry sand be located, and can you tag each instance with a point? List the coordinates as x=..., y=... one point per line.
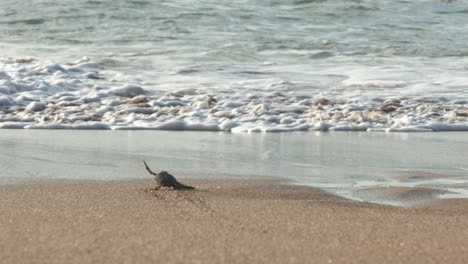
x=223, y=221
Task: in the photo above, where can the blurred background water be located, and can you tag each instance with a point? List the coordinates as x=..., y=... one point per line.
x=356, y=48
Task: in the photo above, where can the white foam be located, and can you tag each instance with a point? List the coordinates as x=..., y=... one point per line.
x=4, y=76
x=5, y=101
x=448, y=127
x=408, y=129
x=47, y=95
x=87, y=126
x=13, y=125
x=362, y=127
x=128, y=90
x=35, y=107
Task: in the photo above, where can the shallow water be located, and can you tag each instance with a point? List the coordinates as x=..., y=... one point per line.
x=355, y=165
x=383, y=65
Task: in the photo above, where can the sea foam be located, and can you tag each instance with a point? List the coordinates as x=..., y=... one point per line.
x=44, y=95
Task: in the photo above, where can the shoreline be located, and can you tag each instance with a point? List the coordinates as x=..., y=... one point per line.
x=223, y=220
x=341, y=163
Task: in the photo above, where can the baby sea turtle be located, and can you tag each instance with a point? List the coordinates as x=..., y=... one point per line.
x=164, y=179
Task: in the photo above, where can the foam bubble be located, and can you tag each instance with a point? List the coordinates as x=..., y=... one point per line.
x=35, y=107
x=128, y=90
x=5, y=101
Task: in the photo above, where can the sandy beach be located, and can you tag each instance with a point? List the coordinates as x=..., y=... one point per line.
x=222, y=221
x=312, y=131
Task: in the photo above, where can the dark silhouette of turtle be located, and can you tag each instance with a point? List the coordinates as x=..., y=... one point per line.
x=164, y=179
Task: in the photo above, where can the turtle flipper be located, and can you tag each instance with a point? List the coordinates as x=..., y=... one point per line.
x=179, y=186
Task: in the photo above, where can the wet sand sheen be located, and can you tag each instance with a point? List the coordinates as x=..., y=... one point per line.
x=232, y=221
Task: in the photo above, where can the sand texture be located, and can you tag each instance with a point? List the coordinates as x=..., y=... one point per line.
x=222, y=221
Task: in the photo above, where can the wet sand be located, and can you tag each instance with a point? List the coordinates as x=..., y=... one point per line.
x=223, y=221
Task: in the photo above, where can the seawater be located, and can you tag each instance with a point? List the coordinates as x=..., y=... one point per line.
x=239, y=66
x=390, y=168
